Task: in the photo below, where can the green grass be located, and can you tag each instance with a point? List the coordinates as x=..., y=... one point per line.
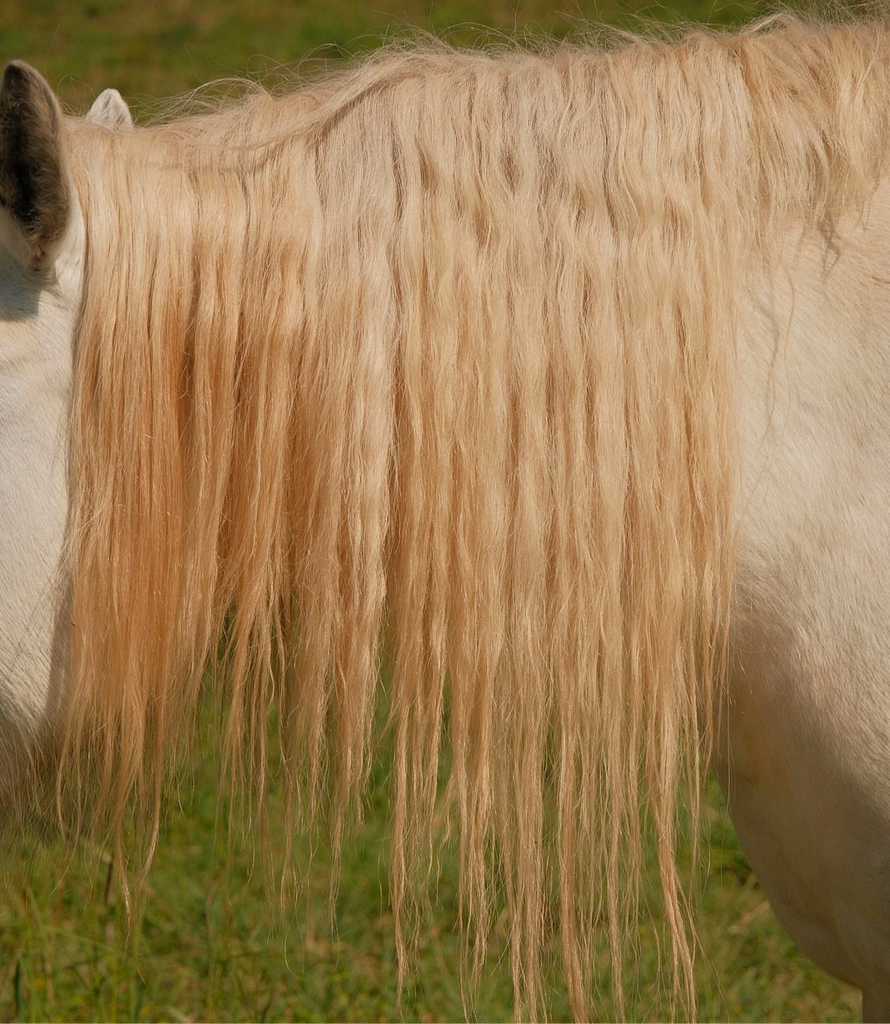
x=207, y=944
x=210, y=942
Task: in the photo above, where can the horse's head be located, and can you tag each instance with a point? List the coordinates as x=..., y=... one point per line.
x=41, y=258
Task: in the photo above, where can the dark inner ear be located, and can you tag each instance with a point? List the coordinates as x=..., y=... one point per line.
x=33, y=183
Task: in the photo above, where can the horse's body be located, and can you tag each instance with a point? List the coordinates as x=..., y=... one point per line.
x=804, y=755
x=806, y=772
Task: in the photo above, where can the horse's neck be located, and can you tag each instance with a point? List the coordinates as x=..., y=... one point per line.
x=810, y=702
x=813, y=544
x=815, y=364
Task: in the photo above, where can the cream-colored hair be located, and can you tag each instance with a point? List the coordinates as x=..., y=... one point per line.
x=425, y=370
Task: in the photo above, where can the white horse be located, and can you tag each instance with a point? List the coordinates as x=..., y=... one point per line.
x=770, y=146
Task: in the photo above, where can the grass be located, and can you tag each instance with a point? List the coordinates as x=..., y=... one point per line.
x=210, y=945
x=207, y=944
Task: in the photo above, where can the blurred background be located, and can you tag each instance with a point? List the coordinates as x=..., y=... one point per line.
x=207, y=943
x=152, y=48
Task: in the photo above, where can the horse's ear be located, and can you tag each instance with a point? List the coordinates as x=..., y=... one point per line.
x=33, y=177
x=110, y=109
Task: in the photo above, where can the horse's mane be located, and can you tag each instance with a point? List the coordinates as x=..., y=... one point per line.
x=427, y=367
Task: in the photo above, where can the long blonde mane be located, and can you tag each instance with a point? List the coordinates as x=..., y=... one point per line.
x=423, y=373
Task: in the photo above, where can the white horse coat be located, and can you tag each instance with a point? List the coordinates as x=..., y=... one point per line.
x=806, y=767
x=807, y=772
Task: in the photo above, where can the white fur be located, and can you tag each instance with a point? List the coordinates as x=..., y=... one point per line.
x=37, y=311
x=110, y=109
x=808, y=772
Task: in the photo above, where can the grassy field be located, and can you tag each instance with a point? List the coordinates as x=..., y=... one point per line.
x=206, y=945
